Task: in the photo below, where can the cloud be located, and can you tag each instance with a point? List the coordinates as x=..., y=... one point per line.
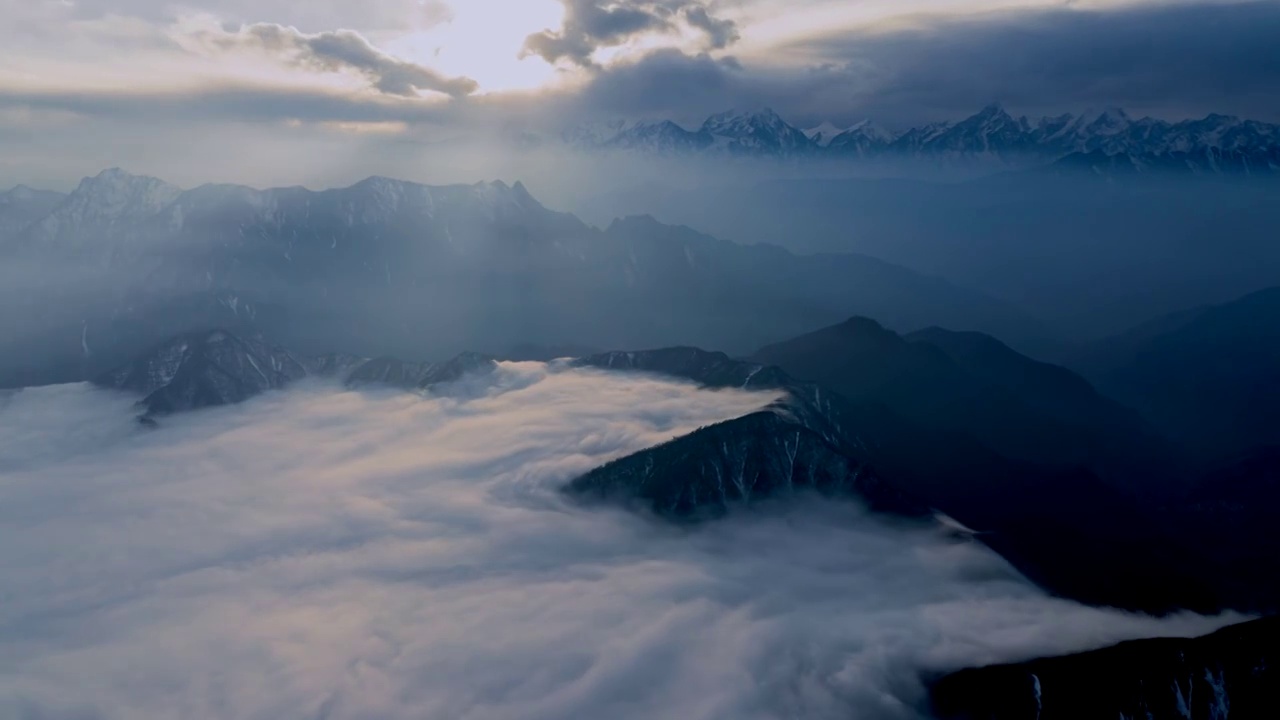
x=342, y=50
x=1173, y=61
x=335, y=554
x=590, y=25
x=721, y=32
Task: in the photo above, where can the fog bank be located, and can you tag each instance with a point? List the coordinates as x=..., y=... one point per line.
x=323, y=553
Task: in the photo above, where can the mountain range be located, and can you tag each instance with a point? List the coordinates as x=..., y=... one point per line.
x=1106, y=139
x=388, y=267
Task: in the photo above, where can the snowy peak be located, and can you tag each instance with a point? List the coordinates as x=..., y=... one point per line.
x=660, y=137
x=823, y=134
x=760, y=131
x=863, y=138
x=115, y=192
x=1108, y=121
x=990, y=135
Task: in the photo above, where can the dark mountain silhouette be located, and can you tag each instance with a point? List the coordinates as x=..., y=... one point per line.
x=1062, y=526
x=1231, y=673
x=972, y=384
x=1209, y=376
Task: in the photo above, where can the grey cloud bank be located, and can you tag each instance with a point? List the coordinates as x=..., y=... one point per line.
x=590, y=25
x=324, y=553
x=344, y=50
x=1173, y=61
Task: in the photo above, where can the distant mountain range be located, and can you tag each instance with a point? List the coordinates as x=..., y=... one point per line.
x=387, y=267
x=1106, y=140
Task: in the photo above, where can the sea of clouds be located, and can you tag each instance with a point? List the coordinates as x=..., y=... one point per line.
x=323, y=553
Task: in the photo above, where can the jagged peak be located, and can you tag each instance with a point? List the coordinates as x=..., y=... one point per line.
x=117, y=180
x=867, y=128
x=764, y=116
x=1108, y=115
x=994, y=109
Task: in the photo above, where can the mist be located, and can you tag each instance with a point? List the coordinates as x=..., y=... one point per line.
x=321, y=552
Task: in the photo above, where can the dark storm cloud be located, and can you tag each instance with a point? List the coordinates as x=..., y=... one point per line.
x=593, y=24
x=1175, y=61
x=341, y=50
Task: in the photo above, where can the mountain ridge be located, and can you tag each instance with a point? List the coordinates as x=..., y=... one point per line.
x=1214, y=144
x=378, y=268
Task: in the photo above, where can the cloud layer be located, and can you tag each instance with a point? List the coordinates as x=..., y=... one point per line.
x=324, y=553
x=344, y=50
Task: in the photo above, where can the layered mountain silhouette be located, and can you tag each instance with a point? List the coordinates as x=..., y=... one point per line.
x=1090, y=256
x=1209, y=376
x=391, y=268
x=972, y=383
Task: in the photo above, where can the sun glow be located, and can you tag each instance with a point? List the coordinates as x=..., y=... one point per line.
x=483, y=42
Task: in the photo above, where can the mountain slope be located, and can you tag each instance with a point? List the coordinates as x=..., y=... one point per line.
x=1211, y=376
x=1061, y=526
x=1229, y=674
x=204, y=370
x=972, y=384
x=215, y=368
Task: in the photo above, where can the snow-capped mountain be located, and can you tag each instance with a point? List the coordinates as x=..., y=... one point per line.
x=761, y=132
x=862, y=139
x=103, y=203
x=823, y=134
x=1216, y=143
x=991, y=132
x=663, y=137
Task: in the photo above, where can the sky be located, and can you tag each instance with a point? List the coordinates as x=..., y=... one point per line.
x=259, y=561
x=84, y=81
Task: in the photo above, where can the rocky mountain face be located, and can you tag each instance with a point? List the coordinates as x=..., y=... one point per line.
x=391, y=268
x=215, y=368
x=204, y=370
x=768, y=454
x=1232, y=673
x=1107, y=139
